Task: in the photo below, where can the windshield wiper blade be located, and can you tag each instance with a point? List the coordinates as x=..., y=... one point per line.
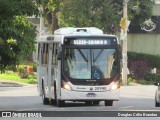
x=100, y=52
x=83, y=55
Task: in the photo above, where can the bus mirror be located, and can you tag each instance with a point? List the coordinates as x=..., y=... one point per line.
x=59, y=54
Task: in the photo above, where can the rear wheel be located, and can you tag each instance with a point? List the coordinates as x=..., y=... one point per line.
x=95, y=102
x=157, y=104
x=108, y=103
x=60, y=103
x=44, y=99
x=53, y=101
x=89, y=103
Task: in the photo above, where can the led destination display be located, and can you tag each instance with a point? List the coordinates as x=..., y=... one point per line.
x=90, y=41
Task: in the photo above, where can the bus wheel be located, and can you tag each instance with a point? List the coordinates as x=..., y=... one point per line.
x=60, y=103
x=95, y=102
x=53, y=102
x=89, y=103
x=157, y=104
x=44, y=99
x=108, y=103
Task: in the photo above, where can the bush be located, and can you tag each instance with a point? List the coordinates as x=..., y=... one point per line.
x=153, y=60
x=130, y=80
x=138, y=68
x=32, y=76
x=152, y=77
x=12, y=68
x=23, y=73
x=34, y=67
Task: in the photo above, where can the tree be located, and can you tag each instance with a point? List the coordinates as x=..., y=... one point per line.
x=50, y=10
x=17, y=34
x=139, y=11
x=104, y=14
x=83, y=13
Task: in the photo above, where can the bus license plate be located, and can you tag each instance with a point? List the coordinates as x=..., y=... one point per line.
x=91, y=95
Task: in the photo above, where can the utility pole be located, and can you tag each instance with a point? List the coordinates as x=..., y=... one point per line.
x=124, y=44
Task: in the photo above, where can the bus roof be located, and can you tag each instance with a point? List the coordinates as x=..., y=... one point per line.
x=59, y=34
x=75, y=31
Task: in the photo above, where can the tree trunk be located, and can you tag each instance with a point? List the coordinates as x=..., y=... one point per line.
x=54, y=24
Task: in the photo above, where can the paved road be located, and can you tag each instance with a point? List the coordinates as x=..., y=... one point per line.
x=26, y=98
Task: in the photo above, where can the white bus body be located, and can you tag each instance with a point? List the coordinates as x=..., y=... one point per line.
x=69, y=70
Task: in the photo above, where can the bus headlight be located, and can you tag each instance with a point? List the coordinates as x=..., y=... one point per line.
x=66, y=86
x=115, y=86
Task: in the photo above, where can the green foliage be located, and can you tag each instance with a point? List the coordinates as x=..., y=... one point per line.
x=34, y=67
x=23, y=73
x=153, y=60
x=143, y=12
x=15, y=77
x=17, y=34
x=145, y=82
x=51, y=9
x=104, y=14
x=83, y=13
x=130, y=80
x=152, y=77
x=32, y=76
x=11, y=68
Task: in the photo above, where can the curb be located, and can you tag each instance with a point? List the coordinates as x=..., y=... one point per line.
x=10, y=83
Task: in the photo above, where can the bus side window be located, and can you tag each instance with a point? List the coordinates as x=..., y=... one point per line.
x=53, y=56
x=45, y=53
x=56, y=55
x=41, y=52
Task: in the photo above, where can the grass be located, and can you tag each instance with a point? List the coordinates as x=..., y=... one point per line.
x=15, y=77
x=143, y=82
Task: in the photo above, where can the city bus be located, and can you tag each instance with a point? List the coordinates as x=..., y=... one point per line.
x=79, y=65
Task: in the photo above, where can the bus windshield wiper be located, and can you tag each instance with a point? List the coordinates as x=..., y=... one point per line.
x=82, y=55
x=100, y=52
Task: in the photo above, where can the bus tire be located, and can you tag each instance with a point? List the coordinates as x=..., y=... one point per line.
x=44, y=99
x=96, y=102
x=88, y=103
x=53, y=101
x=108, y=102
x=60, y=103
x=157, y=104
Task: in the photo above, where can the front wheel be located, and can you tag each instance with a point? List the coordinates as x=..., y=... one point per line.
x=108, y=103
x=157, y=104
x=95, y=102
x=88, y=103
x=60, y=103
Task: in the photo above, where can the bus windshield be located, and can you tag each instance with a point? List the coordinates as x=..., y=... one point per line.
x=90, y=63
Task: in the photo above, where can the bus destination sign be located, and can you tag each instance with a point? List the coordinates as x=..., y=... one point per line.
x=90, y=41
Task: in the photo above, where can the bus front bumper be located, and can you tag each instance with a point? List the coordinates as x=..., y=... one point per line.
x=79, y=95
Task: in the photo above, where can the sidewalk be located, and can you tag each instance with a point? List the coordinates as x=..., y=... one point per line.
x=10, y=83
